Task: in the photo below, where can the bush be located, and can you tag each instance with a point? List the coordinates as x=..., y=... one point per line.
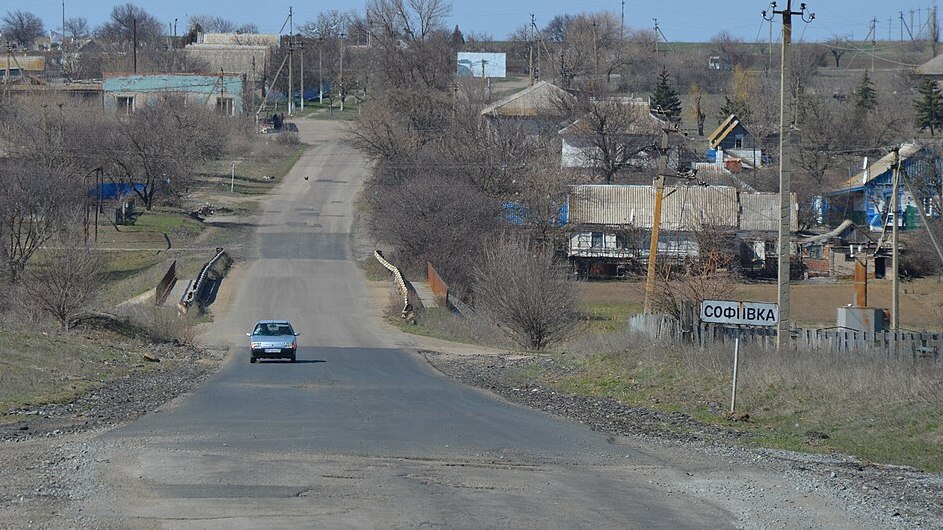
x=526, y=293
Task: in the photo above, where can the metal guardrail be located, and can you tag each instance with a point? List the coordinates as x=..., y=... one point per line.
x=400, y=283
x=195, y=287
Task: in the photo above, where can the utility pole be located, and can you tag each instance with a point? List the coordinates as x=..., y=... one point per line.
x=530, y=46
x=343, y=81
x=320, y=75
x=656, y=34
x=622, y=25
x=595, y=54
x=301, y=47
x=874, y=36
x=62, y=44
x=656, y=222
x=291, y=61
x=786, y=128
x=895, y=261
x=134, y=42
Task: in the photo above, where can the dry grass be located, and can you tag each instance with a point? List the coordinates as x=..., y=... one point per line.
x=882, y=410
x=812, y=304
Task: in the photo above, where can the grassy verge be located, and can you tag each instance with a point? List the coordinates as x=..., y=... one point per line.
x=36, y=369
x=885, y=411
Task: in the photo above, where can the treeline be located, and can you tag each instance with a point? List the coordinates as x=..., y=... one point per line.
x=53, y=159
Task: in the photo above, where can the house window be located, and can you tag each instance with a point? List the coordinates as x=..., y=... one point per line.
x=738, y=142
x=815, y=252
x=125, y=104
x=621, y=241
x=224, y=106
x=596, y=240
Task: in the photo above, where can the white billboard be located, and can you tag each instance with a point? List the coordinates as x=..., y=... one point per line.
x=475, y=64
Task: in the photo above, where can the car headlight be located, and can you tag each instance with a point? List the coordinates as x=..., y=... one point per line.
x=256, y=344
x=288, y=345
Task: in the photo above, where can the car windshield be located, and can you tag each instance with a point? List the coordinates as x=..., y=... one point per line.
x=272, y=329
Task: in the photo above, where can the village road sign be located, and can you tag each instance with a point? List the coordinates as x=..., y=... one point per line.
x=742, y=313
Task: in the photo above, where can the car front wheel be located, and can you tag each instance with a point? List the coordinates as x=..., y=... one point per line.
x=252, y=360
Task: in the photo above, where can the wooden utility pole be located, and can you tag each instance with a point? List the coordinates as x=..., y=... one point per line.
x=895, y=261
x=786, y=129
x=656, y=222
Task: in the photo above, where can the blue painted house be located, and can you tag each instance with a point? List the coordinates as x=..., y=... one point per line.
x=866, y=197
x=223, y=92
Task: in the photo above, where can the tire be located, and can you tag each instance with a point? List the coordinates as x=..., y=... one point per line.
x=252, y=360
x=292, y=358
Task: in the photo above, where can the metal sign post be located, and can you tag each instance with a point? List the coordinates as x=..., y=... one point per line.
x=738, y=314
x=736, y=366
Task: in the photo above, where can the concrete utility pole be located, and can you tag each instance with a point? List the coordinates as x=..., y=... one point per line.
x=656, y=222
x=301, y=46
x=530, y=47
x=343, y=81
x=895, y=262
x=786, y=129
x=62, y=44
x=291, y=60
x=134, y=42
x=656, y=34
x=622, y=24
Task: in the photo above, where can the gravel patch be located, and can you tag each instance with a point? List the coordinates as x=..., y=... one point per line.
x=875, y=495
x=48, y=451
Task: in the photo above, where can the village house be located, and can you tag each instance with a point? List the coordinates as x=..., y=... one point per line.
x=865, y=198
x=834, y=253
x=224, y=92
x=538, y=108
x=732, y=144
x=641, y=130
x=609, y=226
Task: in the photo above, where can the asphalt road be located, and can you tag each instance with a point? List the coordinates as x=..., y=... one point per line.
x=360, y=433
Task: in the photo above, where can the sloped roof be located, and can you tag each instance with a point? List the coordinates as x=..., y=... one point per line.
x=541, y=99
x=932, y=67
x=683, y=208
x=722, y=130
x=881, y=166
x=836, y=232
x=646, y=122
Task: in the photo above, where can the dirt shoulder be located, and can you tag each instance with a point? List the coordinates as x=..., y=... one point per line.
x=44, y=449
x=888, y=496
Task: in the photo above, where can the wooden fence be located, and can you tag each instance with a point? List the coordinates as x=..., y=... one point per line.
x=891, y=343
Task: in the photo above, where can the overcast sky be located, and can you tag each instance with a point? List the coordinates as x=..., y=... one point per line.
x=680, y=20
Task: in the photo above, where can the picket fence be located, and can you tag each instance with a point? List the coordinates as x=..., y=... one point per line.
x=904, y=344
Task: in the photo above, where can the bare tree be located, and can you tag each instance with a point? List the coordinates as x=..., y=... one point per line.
x=328, y=25
x=35, y=204
x=526, y=293
x=838, y=45
x=731, y=49
x=66, y=280
x=119, y=29
x=407, y=19
x=158, y=146
x=612, y=133
x=21, y=27
x=212, y=24
x=76, y=28
x=247, y=28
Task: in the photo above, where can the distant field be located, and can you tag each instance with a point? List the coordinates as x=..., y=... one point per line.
x=921, y=301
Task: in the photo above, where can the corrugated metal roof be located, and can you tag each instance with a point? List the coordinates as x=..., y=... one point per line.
x=881, y=166
x=759, y=212
x=683, y=208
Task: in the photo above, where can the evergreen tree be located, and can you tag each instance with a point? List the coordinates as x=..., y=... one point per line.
x=929, y=107
x=665, y=98
x=866, y=98
x=458, y=39
x=734, y=106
